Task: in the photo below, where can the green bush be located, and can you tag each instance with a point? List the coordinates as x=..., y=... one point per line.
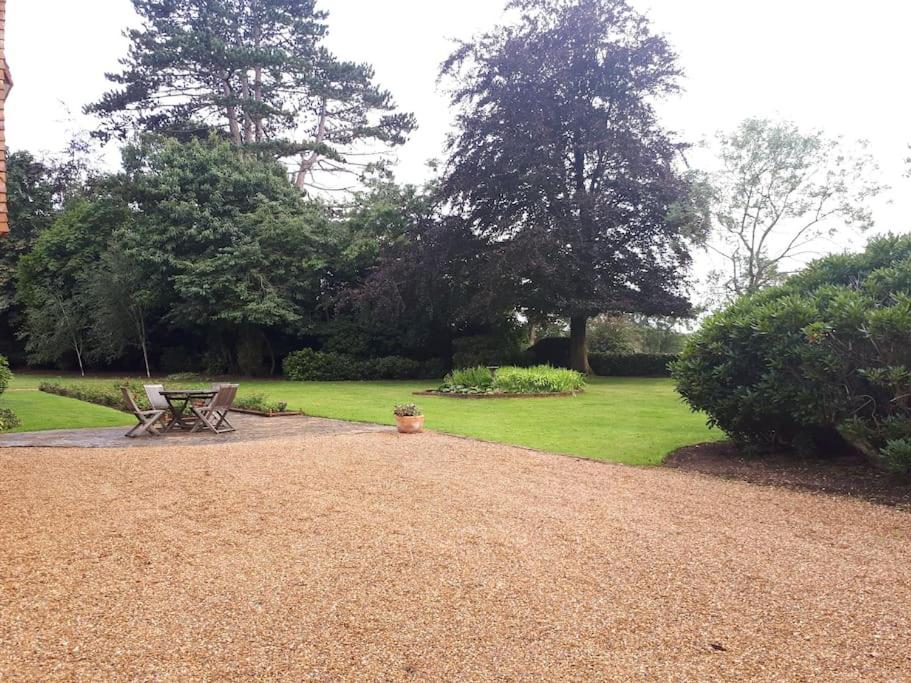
x=260, y=403
x=109, y=395
x=308, y=365
x=479, y=377
x=8, y=419
x=5, y=375
x=631, y=364
x=822, y=359
x=541, y=379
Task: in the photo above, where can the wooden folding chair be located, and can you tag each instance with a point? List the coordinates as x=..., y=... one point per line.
x=214, y=415
x=147, y=418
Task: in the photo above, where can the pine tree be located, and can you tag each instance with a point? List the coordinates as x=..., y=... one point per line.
x=255, y=70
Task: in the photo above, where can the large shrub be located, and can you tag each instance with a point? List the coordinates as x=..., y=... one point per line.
x=825, y=357
x=308, y=365
x=631, y=364
x=8, y=418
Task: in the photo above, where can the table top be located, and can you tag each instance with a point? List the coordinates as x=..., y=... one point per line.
x=188, y=393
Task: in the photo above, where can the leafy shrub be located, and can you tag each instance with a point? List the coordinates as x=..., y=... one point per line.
x=310, y=365
x=631, y=364
x=5, y=375
x=260, y=403
x=109, y=395
x=822, y=359
x=541, y=379
x=8, y=419
x=407, y=410
x=479, y=377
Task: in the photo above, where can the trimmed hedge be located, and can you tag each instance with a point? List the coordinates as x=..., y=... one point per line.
x=111, y=396
x=308, y=365
x=631, y=365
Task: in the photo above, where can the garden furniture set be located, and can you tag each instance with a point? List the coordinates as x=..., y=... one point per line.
x=188, y=410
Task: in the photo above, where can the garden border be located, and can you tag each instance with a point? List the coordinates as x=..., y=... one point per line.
x=446, y=394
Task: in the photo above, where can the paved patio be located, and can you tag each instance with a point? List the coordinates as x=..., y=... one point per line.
x=249, y=428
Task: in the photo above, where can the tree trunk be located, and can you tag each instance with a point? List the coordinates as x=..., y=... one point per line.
x=145, y=347
x=578, y=344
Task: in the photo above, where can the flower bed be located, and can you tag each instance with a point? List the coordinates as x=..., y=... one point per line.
x=510, y=382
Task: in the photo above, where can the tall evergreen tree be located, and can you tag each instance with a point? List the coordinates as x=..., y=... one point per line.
x=257, y=71
x=559, y=159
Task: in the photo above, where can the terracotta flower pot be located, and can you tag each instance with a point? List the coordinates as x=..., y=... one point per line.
x=410, y=425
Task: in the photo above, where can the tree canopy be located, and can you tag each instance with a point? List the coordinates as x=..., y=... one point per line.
x=559, y=159
x=258, y=72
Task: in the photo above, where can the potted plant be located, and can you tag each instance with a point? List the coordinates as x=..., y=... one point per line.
x=409, y=418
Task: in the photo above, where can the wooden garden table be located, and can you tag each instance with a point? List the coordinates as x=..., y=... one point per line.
x=178, y=401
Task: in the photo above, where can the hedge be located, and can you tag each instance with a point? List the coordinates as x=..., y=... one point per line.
x=631, y=365
x=111, y=395
x=308, y=365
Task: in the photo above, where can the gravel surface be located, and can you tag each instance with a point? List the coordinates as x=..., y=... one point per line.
x=374, y=557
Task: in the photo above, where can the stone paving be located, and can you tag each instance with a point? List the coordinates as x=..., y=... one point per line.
x=249, y=428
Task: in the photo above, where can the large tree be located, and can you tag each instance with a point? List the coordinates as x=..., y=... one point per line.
x=560, y=160
x=258, y=71
x=779, y=194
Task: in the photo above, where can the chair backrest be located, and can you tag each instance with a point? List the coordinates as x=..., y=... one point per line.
x=153, y=392
x=129, y=400
x=222, y=398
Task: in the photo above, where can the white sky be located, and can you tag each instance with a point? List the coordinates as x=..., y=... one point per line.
x=834, y=64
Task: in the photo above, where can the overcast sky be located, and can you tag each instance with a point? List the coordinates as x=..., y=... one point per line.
x=842, y=66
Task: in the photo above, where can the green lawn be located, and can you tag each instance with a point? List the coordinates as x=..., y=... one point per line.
x=631, y=420
x=39, y=411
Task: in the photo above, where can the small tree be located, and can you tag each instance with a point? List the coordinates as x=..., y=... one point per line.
x=52, y=283
x=779, y=193
x=122, y=300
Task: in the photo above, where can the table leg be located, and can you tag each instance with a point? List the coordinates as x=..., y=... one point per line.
x=177, y=410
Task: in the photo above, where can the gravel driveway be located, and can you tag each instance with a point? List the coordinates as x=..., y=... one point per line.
x=375, y=556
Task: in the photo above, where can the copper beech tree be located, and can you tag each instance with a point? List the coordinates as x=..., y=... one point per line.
x=560, y=161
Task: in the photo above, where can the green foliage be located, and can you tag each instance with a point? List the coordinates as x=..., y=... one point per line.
x=479, y=378
x=631, y=364
x=8, y=418
x=407, y=410
x=826, y=353
x=106, y=394
x=260, y=403
x=308, y=365
x=5, y=374
x=537, y=380
x=541, y=379
x=255, y=70
x=811, y=187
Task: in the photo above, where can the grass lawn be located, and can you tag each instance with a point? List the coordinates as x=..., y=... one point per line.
x=39, y=411
x=632, y=420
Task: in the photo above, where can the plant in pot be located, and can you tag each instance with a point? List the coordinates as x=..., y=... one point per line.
x=409, y=418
